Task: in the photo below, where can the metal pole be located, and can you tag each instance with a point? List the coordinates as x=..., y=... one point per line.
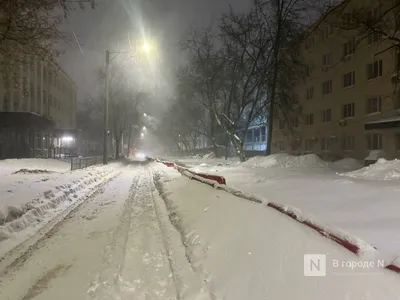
x=129, y=141
x=105, y=144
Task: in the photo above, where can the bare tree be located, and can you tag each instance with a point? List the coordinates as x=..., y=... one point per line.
x=32, y=28
x=202, y=77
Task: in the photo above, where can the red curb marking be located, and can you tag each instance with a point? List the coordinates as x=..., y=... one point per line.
x=345, y=243
x=168, y=164
x=219, y=179
x=393, y=268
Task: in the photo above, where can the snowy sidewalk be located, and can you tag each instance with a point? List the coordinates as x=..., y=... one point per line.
x=360, y=203
x=246, y=251
x=33, y=191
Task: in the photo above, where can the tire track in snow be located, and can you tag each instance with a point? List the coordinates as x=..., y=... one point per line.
x=176, y=224
x=10, y=262
x=106, y=285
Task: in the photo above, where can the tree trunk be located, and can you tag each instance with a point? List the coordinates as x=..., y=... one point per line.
x=118, y=140
x=274, y=81
x=212, y=136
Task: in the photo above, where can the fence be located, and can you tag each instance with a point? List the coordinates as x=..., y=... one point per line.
x=84, y=162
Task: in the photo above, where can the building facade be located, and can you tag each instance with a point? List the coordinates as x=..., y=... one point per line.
x=37, y=106
x=349, y=98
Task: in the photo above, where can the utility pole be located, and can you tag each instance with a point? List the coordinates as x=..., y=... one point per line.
x=129, y=140
x=105, y=142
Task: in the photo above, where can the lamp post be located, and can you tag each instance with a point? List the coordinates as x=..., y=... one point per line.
x=105, y=141
x=146, y=47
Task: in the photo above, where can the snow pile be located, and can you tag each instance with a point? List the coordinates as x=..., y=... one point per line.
x=18, y=214
x=9, y=166
x=282, y=160
x=209, y=155
x=381, y=170
x=35, y=171
x=347, y=164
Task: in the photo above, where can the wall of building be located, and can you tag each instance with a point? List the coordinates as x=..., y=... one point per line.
x=342, y=135
x=42, y=88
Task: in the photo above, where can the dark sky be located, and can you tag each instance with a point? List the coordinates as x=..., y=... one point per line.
x=106, y=27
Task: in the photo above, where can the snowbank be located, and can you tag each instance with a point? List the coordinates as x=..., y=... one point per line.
x=347, y=164
x=30, y=197
x=240, y=261
x=9, y=166
x=381, y=170
x=283, y=160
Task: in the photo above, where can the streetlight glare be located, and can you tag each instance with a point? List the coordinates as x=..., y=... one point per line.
x=144, y=127
x=146, y=46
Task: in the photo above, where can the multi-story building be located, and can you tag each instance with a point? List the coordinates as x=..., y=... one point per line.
x=37, y=108
x=350, y=104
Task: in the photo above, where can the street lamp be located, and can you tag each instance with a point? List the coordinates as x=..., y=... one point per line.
x=145, y=47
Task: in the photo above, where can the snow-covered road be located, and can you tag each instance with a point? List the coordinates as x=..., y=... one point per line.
x=151, y=234
x=118, y=244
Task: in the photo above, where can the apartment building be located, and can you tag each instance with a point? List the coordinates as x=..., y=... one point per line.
x=37, y=106
x=350, y=103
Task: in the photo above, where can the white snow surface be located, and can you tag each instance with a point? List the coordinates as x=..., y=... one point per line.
x=286, y=161
x=34, y=191
x=151, y=233
x=245, y=250
x=364, y=208
x=381, y=170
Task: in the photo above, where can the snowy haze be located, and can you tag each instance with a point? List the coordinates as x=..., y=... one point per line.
x=107, y=27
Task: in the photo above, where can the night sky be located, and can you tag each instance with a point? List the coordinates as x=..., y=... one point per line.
x=108, y=25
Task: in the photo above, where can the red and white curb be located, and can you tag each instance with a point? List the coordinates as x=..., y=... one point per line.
x=219, y=182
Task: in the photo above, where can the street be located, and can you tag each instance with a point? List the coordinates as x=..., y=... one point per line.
x=150, y=233
x=112, y=245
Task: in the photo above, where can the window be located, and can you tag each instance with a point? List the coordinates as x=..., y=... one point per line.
x=374, y=14
x=397, y=139
x=327, y=115
x=327, y=59
x=6, y=101
x=32, y=98
x=349, y=110
x=249, y=136
x=281, y=146
x=348, y=143
x=374, y=141
x=310, y=119
x=374, y=70
x=38, y=100
x=374, y=37
x=349, y=79
x=308, y=69
x=347, y=18
x=349, y=47
x=326, y=144
x=281, y=124
x=295, y=122
x=327, y=87
x=309, y=144
x=309, y=42
x=25, y=86
x=373, y=105
x=310, y=93
x=327, y=31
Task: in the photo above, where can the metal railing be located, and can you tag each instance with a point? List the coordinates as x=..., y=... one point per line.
x=84, y=162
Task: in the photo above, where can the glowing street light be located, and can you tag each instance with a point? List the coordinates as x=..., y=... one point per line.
x=144, y=127
x=142, y=134
x=144, y=46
